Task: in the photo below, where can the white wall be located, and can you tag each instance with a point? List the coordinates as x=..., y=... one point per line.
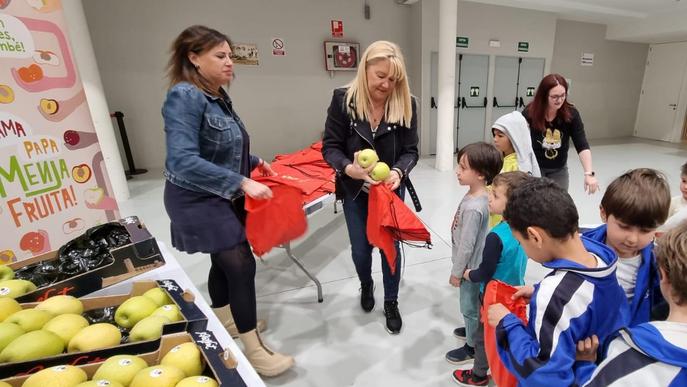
x=283, y=101
x=481, y=23
x=607, y=93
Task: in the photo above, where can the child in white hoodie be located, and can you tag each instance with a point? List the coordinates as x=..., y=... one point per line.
x=512, y=137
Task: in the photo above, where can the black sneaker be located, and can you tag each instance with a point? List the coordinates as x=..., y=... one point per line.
x=393, y=317
x=467, y=378
x=460, y=355
x=460, y=333
x=367, y=296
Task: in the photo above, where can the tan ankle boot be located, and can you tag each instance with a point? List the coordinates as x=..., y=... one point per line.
x=225, y=317
x=265, y=361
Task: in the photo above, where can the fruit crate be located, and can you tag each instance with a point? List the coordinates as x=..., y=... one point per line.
x=220, y=363
x=138, y=255
x=193, y=320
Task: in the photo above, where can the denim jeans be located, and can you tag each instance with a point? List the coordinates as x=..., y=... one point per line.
x=355, y=212
x=469, y=307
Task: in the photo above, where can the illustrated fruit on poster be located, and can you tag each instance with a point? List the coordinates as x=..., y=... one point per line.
x=380, y=172
x=120, y=368
x=49, y=106
x=31, y=73
x=170, y=311
x=46, y=57
x=37, y=242
x=197, y=381
x=157, y=376
x=66, y=326
x=30, y=319
x=134, y=310
x=100, y=383
x=73, y=225
x=15, y=287
x=7, y=256
x=32, y=345
x=149, y=328
x=8, y=306
x=6, y=273
x=9, y=332
x=186, y=357
x=367, y=157
x=81, y=173
x=6, y=94
x=61, y=304
x=58, y=376
x=71, y=137
x=101, y=335
x=158, y=295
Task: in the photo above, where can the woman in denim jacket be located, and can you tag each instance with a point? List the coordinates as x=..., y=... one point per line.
x=207, y=170
x=374, y=111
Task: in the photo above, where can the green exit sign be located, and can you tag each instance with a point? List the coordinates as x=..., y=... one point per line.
x=523, y=46
x=462, y=41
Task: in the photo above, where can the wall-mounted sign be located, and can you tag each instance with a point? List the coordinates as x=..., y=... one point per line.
x=474, y=91
x=278, y=47
x=337, y=28
x=462, y=41
x=523, y=46
x=587, y=59
x=530, y=92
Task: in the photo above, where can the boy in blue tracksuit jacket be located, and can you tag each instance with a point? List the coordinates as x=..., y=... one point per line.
x=633, y=207
x=579, y=298
x=654, y=353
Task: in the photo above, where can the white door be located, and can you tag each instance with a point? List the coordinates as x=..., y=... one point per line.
x=663, y=78
x=472, y=94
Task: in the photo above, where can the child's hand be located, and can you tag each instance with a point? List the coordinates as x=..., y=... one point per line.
x=496, y=313
x=454, y=281
x=524, y=292
x=466, y=274
x=586, y=349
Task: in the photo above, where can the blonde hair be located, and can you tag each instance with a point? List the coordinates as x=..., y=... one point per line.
x=671, y=256
x=398, y=107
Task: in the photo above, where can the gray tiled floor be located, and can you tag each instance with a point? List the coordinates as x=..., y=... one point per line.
x=335, y=343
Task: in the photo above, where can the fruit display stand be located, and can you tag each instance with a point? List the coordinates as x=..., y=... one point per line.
x=172, y=269
x=220, y=363
x=191, y=319
x=125, y=261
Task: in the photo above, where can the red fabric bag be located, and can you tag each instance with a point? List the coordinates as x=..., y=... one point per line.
x=389, y=219
x=273, y=222
x=497, y=292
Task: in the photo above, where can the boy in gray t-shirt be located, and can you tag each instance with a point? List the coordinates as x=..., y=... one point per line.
x=478, y=163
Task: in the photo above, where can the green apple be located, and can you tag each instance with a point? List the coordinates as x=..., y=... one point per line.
x=186, y=357
x=380, y=172
x=3, y=384
x=367, y=157
x=9, y=332
x=134, y=310
x=15, y=287
x=30, y=319
x=8, y=307
x=66, y=326
x=159, y=296
x=157, y=376
x=170, y=311
x=58, y=376
x=150, y=328
x=101, y=335
x=120, y=368
x=61, y=305
x=197, y=381
x=100, y=383
x=6, y=273
x=32, y=345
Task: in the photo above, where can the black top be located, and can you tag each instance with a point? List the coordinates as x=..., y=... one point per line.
x=551, y=146
x=490, y=258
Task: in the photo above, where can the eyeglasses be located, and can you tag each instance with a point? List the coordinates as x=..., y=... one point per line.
x=557, y=97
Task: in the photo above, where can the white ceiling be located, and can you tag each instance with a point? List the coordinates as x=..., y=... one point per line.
x=648, y=21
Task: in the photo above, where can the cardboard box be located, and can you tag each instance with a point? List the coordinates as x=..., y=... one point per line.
x=221, y=364
x=141, y=255
x=194, y=320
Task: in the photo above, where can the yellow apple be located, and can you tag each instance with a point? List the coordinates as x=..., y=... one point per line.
x=100, y=383
x=158, y=295
x=101, y=335
x=66, y=326
x=32, y=345
x=15, y=287
x=58, y=376
x=30, y=319
x=380, y=172
x=150, y=328
x=197, y=381
x=61, y=305
x=157, y=376
x=367, y=157
x=134, y=310
x=120, y=368
x=170, y=311
x=6, y=273
x=186, y=357
x=8, y=307
x=9, y=332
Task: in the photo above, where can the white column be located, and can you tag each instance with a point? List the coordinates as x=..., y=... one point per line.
x=448, y=22
x=84, y=56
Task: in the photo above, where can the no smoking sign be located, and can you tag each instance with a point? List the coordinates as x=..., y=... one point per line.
x=278, y=47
